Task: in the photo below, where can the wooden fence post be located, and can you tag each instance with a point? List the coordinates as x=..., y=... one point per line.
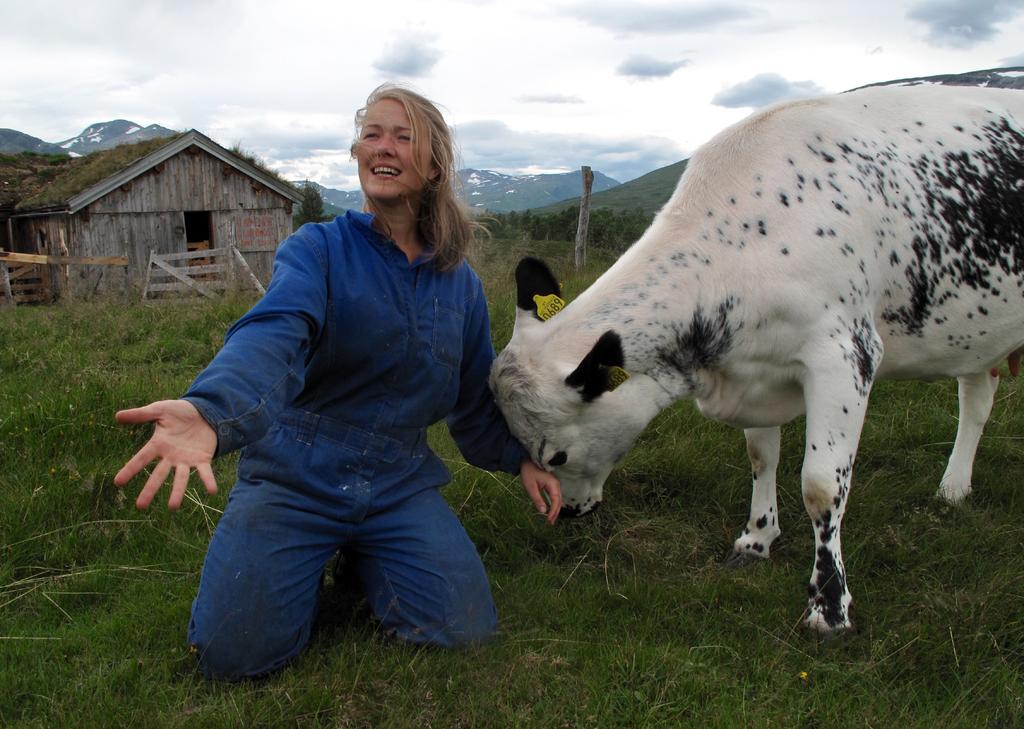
x=584, y=223
x=232, y=270
x=8, y=294
x=248, y=271
x=149, y=267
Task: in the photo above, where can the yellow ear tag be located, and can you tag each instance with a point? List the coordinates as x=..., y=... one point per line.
x=616, y=376
x=548, y=306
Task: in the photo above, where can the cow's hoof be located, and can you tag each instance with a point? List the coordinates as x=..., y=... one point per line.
x=741, y=559
x=954, y=493
x=831, y=637
x=825, y=634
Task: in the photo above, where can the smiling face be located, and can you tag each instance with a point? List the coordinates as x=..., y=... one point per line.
x=393, y=165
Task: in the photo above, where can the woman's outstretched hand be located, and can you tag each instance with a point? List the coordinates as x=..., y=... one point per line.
x=181, y=440
x=536, y=480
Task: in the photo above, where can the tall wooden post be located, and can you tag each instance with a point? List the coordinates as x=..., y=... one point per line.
x=8, y=294
x=584, y=224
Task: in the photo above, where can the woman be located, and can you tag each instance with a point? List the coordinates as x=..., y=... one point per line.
x=373, y=327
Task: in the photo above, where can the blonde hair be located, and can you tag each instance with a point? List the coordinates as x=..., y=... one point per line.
x=443, y=219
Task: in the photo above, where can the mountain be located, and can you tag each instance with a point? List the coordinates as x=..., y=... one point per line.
x=653, y=190
x=1011, y=77
x=489, y=190
x=93, y=138
x=111, y=134
x=13, y=142
x=486, y=190
x=336, y=202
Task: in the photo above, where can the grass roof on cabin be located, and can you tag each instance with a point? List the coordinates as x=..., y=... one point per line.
x=25, y=174
x=81, y=173
x=30, y=180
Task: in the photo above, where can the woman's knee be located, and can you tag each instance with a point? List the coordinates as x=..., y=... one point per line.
x=235, y=646
x=473, y=625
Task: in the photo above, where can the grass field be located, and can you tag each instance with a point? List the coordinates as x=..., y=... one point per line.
x=622, y=619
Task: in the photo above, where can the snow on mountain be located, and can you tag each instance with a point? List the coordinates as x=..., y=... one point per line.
x=110, y=134
x=498, y=192
x=1011, y=77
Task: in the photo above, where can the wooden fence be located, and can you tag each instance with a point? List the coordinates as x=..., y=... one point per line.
x=196, y=274
x=28, y=277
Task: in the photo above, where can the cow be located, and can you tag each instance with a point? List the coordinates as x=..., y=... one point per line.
x=807, y=251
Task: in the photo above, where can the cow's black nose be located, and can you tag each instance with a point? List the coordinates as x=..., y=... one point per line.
x=571, y=512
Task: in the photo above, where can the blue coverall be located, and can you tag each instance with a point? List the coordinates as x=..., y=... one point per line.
x=329, y=384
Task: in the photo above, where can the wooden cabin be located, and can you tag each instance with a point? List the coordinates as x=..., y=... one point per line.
x=185, y=193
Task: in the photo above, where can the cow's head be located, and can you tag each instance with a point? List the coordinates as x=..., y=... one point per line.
x=563, y=402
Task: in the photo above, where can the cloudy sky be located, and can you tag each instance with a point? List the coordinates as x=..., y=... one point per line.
x=625, y=87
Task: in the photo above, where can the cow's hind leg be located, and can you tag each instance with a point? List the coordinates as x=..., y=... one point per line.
x=763, y=523
x=976, y=395
x=836, y=390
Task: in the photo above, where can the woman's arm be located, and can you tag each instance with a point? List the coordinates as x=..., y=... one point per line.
x=477, y=425
x=256, y=374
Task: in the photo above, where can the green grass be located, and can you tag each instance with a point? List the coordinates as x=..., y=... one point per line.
x=622, y=619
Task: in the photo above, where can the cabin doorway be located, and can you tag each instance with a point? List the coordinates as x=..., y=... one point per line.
x=198, y=230
x=198, y=236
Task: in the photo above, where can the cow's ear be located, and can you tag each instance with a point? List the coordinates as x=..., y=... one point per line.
x=537, y=290
x=600, y=369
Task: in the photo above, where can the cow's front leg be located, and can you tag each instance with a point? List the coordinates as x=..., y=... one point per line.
x=836, y=392
x=763, y=523
x=976, y=395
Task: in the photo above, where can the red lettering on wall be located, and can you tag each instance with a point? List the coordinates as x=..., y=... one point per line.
x=255, y=231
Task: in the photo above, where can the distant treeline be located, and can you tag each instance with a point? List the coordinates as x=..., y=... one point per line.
x=608, y=229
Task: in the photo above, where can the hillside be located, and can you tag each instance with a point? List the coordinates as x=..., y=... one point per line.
x=27, y=174
x=14, y=142
x=647, y=193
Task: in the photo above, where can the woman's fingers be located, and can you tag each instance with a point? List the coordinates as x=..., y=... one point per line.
x=139, y=461
x=533, y=491
x=145, y=414
x=178, y=487
x=153, y=483
x=159, y=475
x=205, y=471
x=555, y=497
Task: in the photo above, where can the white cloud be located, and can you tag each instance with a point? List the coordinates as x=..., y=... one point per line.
x=648, y=67
x=763, y=89
x=963, y=23
x=630, y=17
x=491, y=144
x=410, y=58
x=551, y=99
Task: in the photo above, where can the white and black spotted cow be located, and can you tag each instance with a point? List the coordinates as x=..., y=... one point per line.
x=807, y=251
